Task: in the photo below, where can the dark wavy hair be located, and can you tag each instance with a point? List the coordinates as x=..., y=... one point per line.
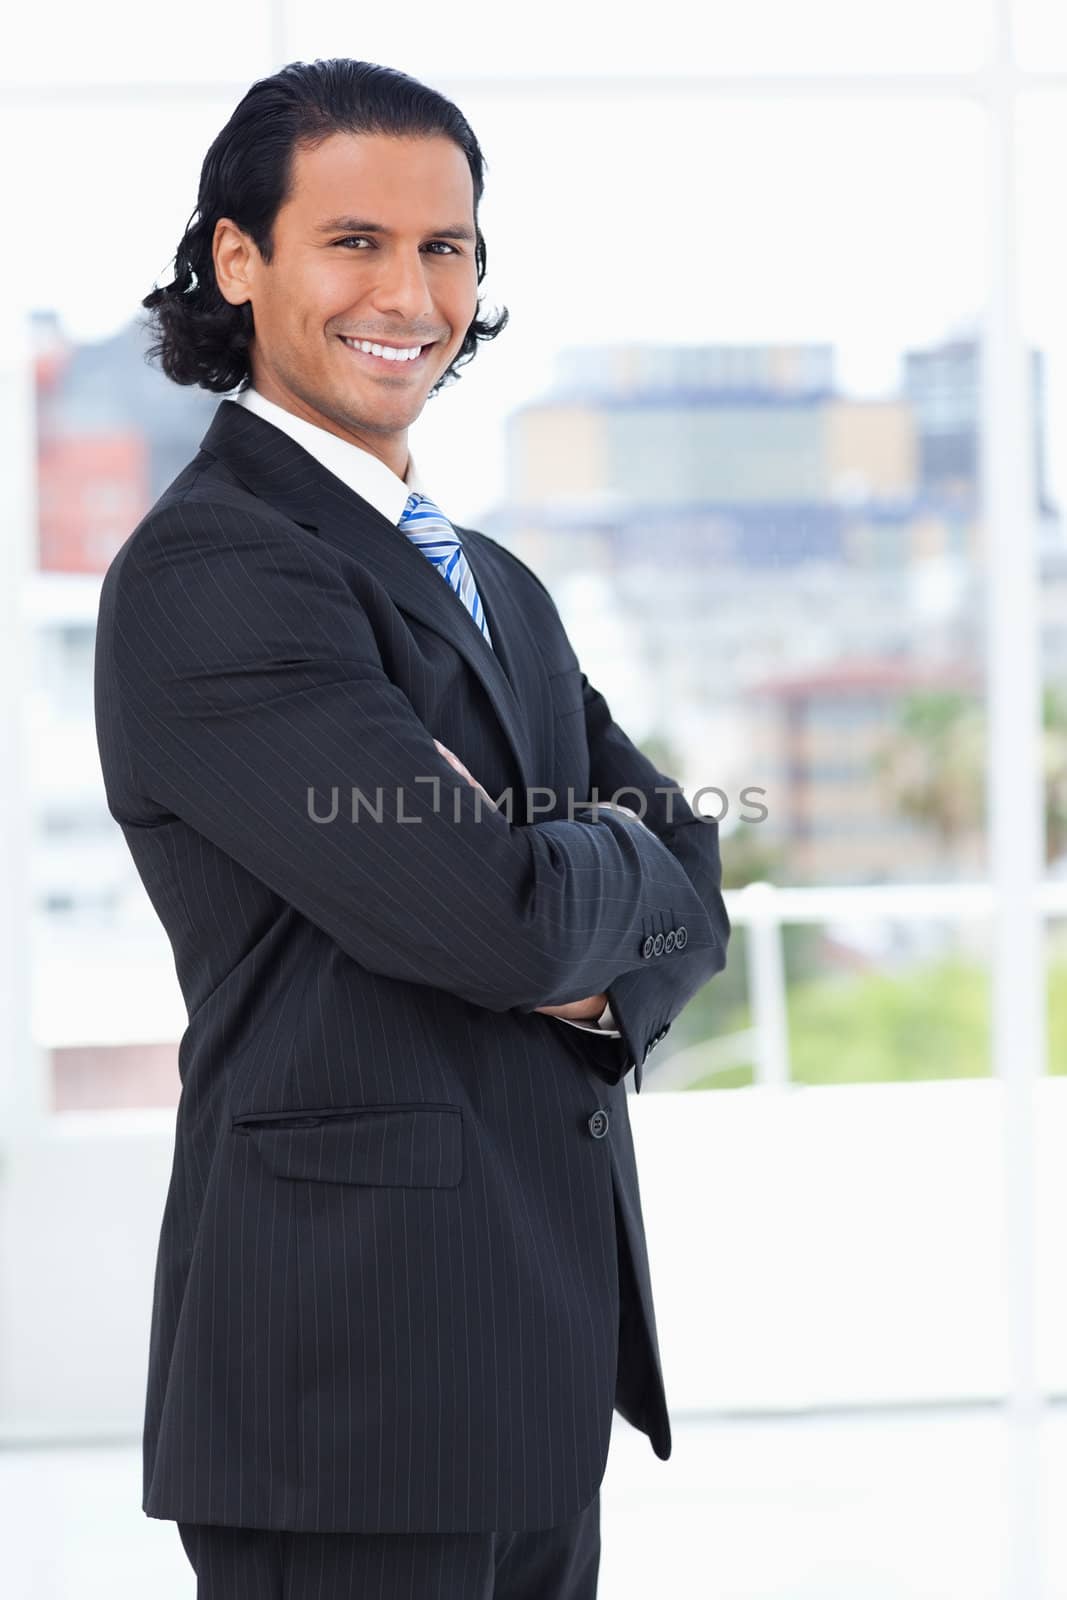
x=247, y=175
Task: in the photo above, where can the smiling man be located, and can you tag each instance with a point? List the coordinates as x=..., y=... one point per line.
x=402, y=1280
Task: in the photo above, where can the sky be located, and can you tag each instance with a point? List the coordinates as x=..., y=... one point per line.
x=612, y=212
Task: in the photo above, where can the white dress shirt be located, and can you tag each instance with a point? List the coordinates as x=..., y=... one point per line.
x=372, y=480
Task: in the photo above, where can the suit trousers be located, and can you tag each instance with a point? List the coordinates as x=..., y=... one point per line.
x=558, y=1563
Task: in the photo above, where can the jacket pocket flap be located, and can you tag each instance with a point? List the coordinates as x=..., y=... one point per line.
x=410, y=1147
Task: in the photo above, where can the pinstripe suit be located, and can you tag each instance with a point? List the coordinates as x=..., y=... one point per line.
x=403, y=1201
x=371, y=479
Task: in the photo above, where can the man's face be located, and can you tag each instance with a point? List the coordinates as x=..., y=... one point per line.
x=407, y=281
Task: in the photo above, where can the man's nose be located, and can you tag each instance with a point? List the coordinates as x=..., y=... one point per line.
x=400, y=284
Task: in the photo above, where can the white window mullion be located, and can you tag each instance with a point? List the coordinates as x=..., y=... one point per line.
x=24, y=1092
x=1013, y=755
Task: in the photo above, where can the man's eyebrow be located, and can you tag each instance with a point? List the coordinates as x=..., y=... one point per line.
x=362, y=225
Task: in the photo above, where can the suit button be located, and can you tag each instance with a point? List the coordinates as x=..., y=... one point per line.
x=648, y=947
x=657, y=944
x=670, y=941
x=681, y=938
x=598, y=1124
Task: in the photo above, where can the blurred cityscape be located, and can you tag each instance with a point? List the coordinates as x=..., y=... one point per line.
x=796, y=578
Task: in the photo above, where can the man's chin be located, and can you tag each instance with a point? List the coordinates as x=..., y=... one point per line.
x=374, y=417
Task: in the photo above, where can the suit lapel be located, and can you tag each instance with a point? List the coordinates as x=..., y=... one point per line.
x=278, y=470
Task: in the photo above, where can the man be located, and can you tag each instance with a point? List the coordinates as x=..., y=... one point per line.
x=402, y=1278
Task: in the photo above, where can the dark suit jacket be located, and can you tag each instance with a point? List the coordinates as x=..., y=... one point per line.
x=387, y=1291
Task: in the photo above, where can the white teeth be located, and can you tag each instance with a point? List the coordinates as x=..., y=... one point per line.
x=385, y=351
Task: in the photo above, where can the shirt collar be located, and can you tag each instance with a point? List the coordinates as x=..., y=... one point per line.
x=362, y=471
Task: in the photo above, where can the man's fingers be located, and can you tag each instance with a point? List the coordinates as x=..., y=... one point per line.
x=587, y=1010
x=454, y=761
x=463, y=771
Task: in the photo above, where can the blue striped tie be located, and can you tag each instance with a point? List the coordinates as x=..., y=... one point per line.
x=427, y=527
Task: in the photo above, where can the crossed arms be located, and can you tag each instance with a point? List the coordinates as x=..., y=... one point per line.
x=250, y=679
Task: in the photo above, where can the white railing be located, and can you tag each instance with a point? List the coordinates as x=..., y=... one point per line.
x=93, y=986
x=764, y=909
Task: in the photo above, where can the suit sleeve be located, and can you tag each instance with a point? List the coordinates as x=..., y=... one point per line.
x=252, y=697
x=645, y=999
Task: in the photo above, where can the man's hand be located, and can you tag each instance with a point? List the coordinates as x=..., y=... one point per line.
x=586, y=1010
x=454, y=761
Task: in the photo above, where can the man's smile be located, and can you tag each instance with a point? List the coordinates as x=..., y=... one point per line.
x=399, y=360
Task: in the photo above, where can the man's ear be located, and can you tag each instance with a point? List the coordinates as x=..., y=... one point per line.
x=231, y=257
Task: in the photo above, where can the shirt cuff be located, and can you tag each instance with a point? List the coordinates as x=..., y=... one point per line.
x=605, y=1025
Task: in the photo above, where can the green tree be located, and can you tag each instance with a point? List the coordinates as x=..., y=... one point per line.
x=933, y=764
x=1054, y=755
